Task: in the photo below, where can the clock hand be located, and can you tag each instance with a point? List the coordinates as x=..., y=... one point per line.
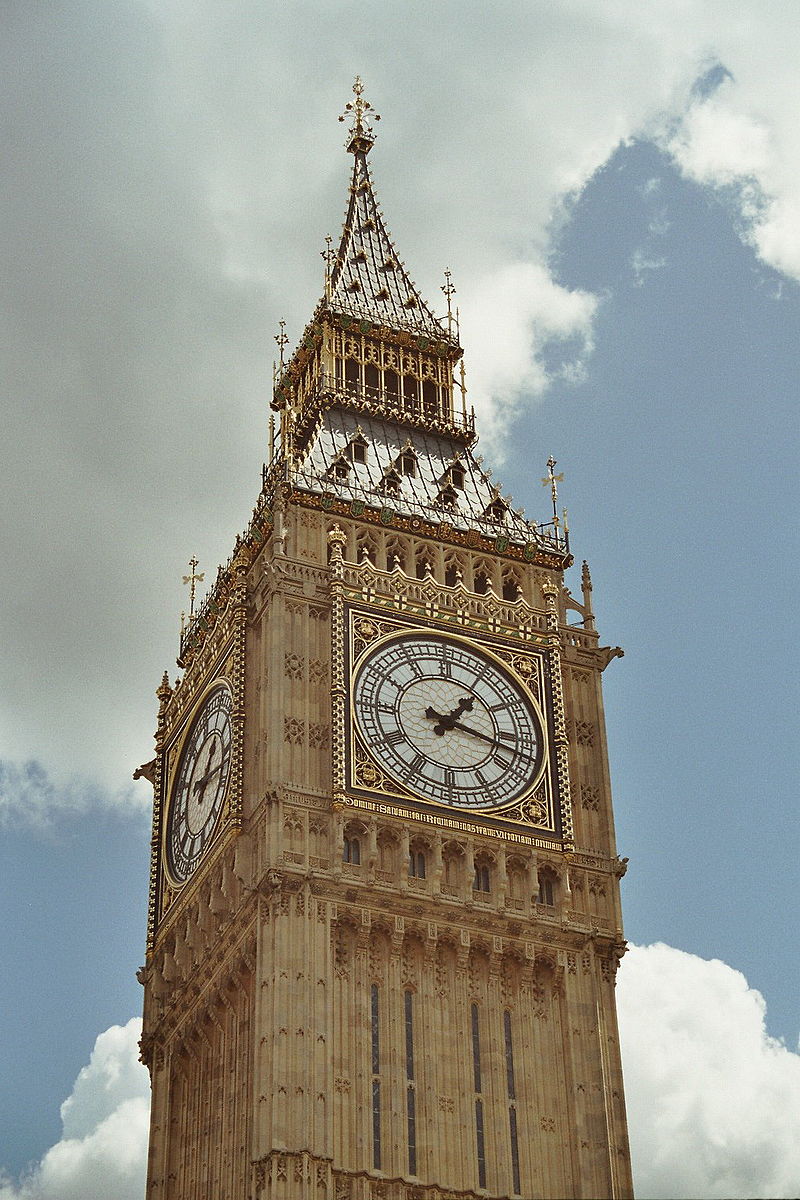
x=448, y=721
x=494, y=742
x=201, y=783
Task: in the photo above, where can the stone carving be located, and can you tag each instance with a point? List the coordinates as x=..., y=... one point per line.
x=293, y=730
x=590, y=797
x=294, y=665
x=583, y=733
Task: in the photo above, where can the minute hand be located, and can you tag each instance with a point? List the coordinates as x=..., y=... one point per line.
x=484, y=737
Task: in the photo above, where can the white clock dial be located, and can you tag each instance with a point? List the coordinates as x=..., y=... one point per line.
x=447, y=721
x=201, y=784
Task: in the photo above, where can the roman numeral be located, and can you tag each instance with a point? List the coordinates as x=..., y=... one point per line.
x=415, y=766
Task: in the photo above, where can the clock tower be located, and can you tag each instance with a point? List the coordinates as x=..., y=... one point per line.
x=384, y=894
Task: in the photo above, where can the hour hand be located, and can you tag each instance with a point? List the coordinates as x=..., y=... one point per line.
x=449, y=720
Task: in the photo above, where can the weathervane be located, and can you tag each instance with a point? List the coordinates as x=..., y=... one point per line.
x=362, y=136
x=449, y=291
x=192, y=580
x=552, y=480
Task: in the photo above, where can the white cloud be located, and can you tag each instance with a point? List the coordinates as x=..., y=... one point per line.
x=712, y=1099
x=512, y=314
x=103, y=1150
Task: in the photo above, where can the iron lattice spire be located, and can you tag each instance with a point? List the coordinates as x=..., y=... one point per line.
x=368, y=280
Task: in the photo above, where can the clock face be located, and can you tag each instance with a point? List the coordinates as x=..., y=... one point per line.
x=447, y=721
x=201, y=784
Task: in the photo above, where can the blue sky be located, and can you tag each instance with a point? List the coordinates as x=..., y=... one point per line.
x=617, y=195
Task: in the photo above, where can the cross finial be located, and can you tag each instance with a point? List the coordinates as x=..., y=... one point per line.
x=192, y=580
x=282, y=339
x=362, y=137
x=551, y=480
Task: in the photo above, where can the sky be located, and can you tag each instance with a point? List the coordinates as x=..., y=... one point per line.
x=616, y=190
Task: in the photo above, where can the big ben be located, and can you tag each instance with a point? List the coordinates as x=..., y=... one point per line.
x=384, y=893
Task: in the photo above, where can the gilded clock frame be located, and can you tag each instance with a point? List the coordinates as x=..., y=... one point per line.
x=174, y=756
x=538, y=808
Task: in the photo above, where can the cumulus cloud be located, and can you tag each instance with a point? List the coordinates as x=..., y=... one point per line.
x=103, y=1149
x=712, y=1099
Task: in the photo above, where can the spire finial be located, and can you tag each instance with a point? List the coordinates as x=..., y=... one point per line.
x=282, y=340
x=362, y=137
x=449, y=291
x=192, y=580
x=551, y=480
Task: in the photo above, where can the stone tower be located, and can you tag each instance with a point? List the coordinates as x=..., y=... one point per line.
x=384, y=895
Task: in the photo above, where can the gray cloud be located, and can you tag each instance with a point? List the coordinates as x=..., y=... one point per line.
x=169, y=175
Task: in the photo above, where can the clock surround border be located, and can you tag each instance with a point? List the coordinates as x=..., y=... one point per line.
x=504, y=649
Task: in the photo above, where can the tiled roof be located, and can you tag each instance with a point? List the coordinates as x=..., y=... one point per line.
x=417, y=494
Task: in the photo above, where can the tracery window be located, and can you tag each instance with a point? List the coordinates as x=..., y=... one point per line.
x=512, y=1103
x=396, y=555
x=366, y=547
x=480, y=1145
x=376, y=1073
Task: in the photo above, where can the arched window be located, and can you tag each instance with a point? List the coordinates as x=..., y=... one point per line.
x=482, y=880
x=452, y=571
x=390, y=386
x=351, y=374
x=371, y=377
x=511, y=588
x=430, y=399
x=416, y=864
x=481, y=582
x=547, y=890
x=424, y=565
x=410, y=392
x=352, y=851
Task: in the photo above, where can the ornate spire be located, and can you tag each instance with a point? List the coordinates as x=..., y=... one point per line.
x=368, y=280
